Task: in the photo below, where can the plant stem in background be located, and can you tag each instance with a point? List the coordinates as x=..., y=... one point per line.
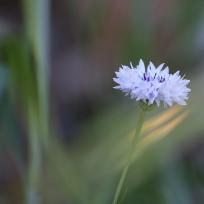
x=130, y=156
x=35, y=160
x=37, y=25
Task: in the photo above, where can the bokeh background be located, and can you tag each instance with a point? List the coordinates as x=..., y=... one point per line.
x=57, y=61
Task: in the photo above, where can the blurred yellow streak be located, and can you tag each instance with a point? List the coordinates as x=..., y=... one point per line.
x=159, y=133
x=163, y=117
x=157, y=121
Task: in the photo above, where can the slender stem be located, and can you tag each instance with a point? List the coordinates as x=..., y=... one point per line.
x=35, y=159
x=130, y=156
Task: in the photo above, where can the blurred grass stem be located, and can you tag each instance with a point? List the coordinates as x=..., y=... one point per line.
x=37, y=23
x=35, y=160
x=130, y=156
x=37, y=28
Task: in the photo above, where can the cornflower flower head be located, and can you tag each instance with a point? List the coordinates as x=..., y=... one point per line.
x=152, y=85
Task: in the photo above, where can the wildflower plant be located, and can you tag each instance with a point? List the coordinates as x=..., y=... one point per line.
x=151, y=86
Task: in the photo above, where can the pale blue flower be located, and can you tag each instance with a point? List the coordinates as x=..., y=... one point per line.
x=152, y=84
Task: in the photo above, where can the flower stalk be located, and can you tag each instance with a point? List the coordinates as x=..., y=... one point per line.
x=130, y=155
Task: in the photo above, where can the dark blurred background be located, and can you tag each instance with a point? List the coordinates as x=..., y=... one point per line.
x=86, y=42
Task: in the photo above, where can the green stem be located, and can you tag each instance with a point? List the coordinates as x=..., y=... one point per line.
x=35, y=160
x=130, y=156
